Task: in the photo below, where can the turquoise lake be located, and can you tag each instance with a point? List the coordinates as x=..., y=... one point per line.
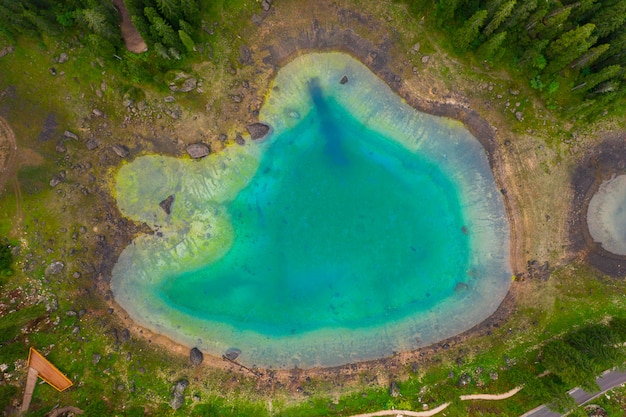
x=357, y=228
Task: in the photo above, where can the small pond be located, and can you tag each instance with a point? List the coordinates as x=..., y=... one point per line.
x=357, y=228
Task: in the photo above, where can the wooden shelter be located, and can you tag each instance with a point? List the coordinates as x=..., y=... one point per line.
x=39, y=366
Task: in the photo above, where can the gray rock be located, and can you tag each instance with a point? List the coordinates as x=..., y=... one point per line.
x=97, y=112
x=166, y=204
x=198, y=150
x=239, y=140
x=266, y=5
x=70, y=135
x=63, y=58
x=177, y=398
x=125, y=335
x=120, y=150
x=92, y=144
x=96, y=358
x=187, y=85
x=222, y=137
x=232, y=354
x=52, y=304
x=245, y=55
x=169, y=99
x=519, y=116
x=394, y=389
x=195, y=356
x=493, y=376
x=6, y=50
x=55, y=181
x=60, y=147
x=55, y=268
x=416, y=47
x=464, y=380
x=258, y=130
x=236, y=98
x=425, y=59
x=344, y=80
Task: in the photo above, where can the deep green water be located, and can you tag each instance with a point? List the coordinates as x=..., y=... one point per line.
x=359, y=227
x=339, y=227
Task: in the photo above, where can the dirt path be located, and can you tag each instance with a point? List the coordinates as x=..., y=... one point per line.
x=491, y=396
x=8, y=152
x=133, y=40
x=405, y=412
x=442, y=407
x=8, y=169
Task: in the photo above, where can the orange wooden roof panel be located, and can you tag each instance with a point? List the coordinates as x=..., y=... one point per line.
x=47, y=371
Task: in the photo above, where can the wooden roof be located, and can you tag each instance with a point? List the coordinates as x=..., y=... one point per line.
x=47, y=371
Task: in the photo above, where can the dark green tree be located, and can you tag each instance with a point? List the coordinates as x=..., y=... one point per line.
x=470, y=30
x=609, y=18
x=568, y=47
x=590, y=56
x=502, y=13
x=492, y=47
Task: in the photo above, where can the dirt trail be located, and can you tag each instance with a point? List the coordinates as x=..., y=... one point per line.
x=406, y=412
x=133, y=40
x=442, y=407
x=8, y=152
x=502, y=396
x=8, y=168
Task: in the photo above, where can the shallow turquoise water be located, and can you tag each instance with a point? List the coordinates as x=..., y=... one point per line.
x=359, y=227
x=339, y=227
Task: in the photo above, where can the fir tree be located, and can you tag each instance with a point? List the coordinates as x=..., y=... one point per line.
x=503, y=12
x=610, y=18
x=493, y=45
x=470, y=30
x=590, y=56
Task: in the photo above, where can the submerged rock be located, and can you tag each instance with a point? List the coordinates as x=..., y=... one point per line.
x=166, y=204
x=195, y=356
x=232, y=354
x=258, y=130
x=198, y=150
x=344, y=80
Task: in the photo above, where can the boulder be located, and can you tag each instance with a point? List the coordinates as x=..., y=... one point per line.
x=120, y=150
x=394, y=389
x=70, y=135
x=92, y=144
x=195, y=356
x=239, y=140
x=166, y=204
x=344, y=80
x=258, y=130
x=125, y=335
x=198, y=150
x=464, y=380
x=177, y=398
x=55, y=268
